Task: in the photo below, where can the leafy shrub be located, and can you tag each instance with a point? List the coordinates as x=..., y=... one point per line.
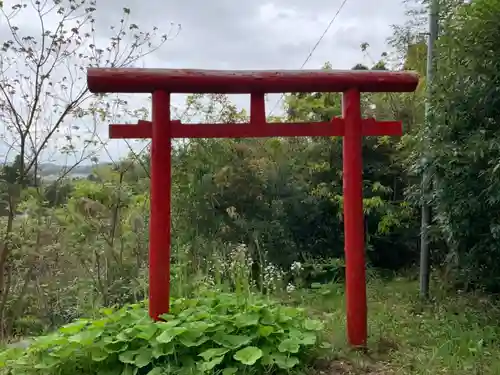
x=463, y=145
x=324, y=271
x=217, y=333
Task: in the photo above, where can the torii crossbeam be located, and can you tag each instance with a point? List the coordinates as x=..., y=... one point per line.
x=352, y=127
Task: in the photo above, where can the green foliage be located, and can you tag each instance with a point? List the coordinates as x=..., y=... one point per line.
x=283, y=197
x=214, y=333
x=15, y=173
x=463, y=146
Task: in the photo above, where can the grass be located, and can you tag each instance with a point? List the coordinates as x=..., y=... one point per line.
x=452, y=335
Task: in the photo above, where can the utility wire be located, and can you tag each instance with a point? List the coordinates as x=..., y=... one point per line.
x=313, y=49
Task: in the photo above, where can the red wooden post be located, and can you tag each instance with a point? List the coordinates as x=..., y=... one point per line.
x=200, y=81
x=159, y=226
x=256, y=83
x=354, y=243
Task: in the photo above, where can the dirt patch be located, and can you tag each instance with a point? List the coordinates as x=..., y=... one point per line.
x=347, y=367
x=359, y=362
x=340, y=367
x=373, y=360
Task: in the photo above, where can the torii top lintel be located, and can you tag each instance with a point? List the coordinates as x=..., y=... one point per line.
x=191, y=81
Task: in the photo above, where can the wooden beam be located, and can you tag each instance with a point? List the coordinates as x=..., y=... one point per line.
x=192, y=81
x=142, y=130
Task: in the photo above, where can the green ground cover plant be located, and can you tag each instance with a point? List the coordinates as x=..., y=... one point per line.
x=218, y=333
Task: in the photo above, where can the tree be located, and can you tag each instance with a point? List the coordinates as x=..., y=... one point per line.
x=15, y=173
x=283, y=197
x=463, y=143
x=45, y=105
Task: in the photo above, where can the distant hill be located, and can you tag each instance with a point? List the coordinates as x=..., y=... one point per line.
x=51, y=169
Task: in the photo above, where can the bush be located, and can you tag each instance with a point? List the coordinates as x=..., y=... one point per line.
x=217, y=333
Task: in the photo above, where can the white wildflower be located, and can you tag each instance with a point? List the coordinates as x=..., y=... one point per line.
x=296, y=267
x=290, y=287
x=272, y=276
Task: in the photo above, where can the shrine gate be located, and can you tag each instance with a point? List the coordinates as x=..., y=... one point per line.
x=161, y=83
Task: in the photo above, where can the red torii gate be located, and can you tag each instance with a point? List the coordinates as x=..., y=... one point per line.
x=163, y=82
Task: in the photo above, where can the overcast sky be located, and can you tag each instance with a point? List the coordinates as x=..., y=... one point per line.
x=256, y=34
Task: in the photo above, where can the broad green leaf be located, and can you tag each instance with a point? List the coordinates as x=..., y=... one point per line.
x=116, y=347
x=74, y=327
x=268, y=317
x=198, y=326
x=265, y=331
x=85, y=337
x=146, y=331
x=98, y=354
x=144, y=357
x=167, y=317
x=313, y=325
x=190, y=341
x=107, y=311
x=308, y=338
x=207, y=355
x=50, y=341
x=128, y=356
x=47, y=362
x=161, y=350
x=169, y=334
x=246, y=319
x=209, y=365
x=249, y=355
x=168, y=325
x=289, y=346
x=285, y=362
x=101, y=323
x=231, y=341
x=229, y=371
x=191, y=333
x=63, y=351
x=199, y=315
x=126, y=334
x=267, y=360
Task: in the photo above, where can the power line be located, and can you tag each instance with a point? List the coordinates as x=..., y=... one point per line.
x=314, y=49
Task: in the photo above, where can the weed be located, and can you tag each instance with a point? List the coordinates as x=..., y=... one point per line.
x=213, y=334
